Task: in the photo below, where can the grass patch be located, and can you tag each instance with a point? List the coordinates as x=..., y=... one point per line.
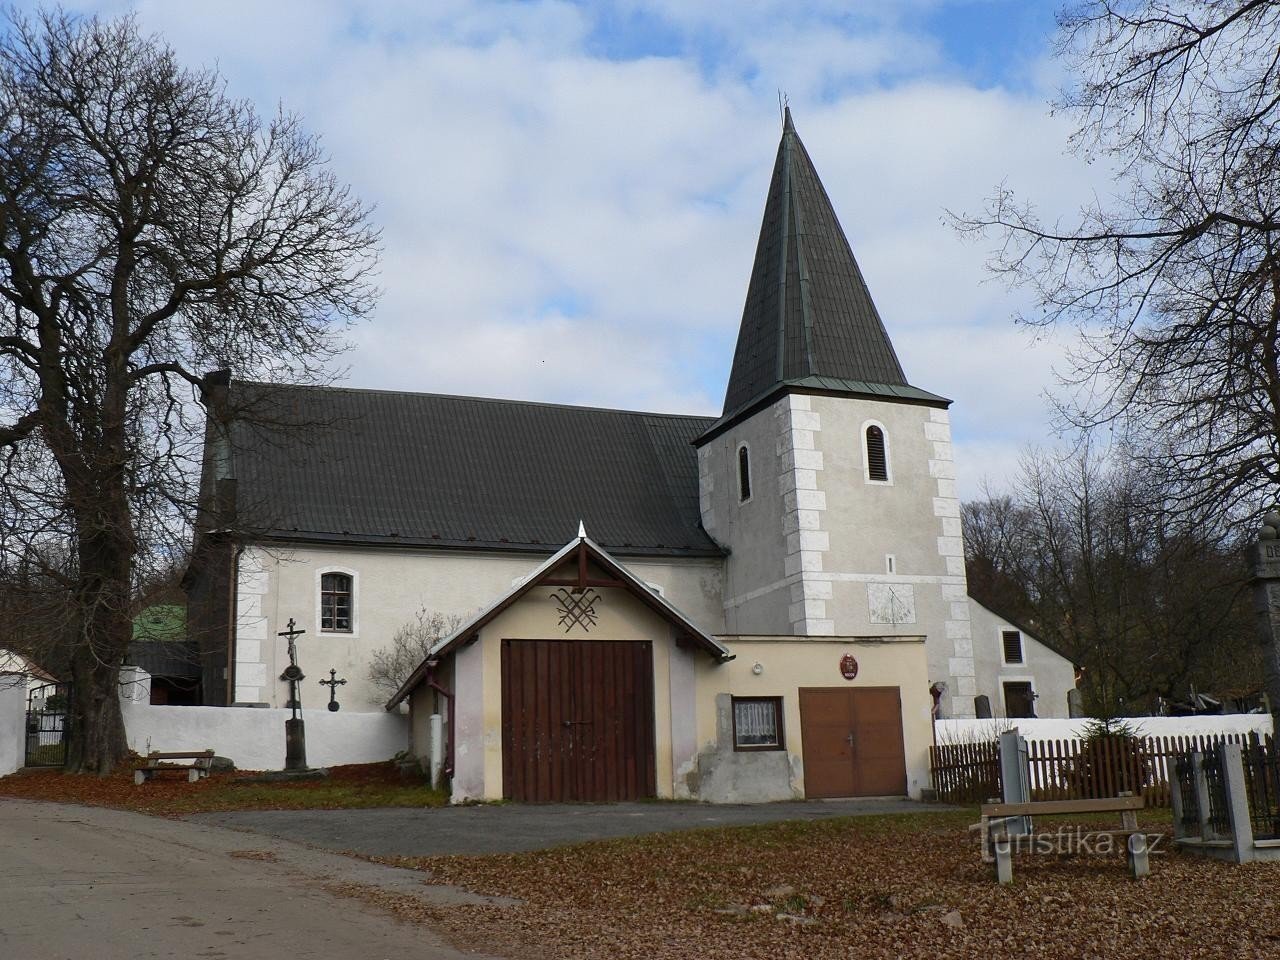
x=352, y=787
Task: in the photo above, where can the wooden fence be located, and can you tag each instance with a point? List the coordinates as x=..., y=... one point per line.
x=1070, y=769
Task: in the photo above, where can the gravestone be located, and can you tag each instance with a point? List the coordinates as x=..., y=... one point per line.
x=1075, y=703
x=1264, y=563
x=982, y=707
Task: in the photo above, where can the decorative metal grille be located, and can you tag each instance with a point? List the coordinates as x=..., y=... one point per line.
x=48, y=721
x=1186, y=787
x=576, y=609
x=1262, y=786
x=1219, y=817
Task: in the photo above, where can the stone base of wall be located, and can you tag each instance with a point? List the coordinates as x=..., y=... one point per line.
x=725, y=775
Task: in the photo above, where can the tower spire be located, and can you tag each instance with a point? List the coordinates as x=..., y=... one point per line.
x=808, y=312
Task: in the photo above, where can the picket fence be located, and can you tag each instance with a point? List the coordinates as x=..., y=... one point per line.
x=1071, y=769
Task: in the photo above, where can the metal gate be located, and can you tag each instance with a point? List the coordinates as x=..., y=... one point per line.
x=48, y=710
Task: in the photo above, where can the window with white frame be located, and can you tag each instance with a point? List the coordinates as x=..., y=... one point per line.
x=1011, y=640
x=757, y=723
x=337, y=602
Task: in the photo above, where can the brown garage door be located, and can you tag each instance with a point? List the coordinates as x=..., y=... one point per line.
x=577, y=720
x=852, y=740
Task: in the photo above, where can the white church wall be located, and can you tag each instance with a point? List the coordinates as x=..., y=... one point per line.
x=390, y=586
x=900, y=567
x=254, y=738
x=823, y=549
x=13, y=722
x=756, y=588
x=1050, y=674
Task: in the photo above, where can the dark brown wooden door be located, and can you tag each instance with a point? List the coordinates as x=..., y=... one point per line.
x=852, y=741
x=1019, y=701
x=577, y=720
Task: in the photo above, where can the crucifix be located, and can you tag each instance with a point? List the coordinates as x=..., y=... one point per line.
x=333, y=683
x=295, y=732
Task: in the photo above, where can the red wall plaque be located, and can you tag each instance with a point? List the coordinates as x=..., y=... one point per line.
x=848, y=666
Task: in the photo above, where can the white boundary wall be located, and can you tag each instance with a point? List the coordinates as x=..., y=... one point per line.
x=976, y=731
x=13, y=722
x=253, y=738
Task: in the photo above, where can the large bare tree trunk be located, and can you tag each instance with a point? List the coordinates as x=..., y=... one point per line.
x=97, y=739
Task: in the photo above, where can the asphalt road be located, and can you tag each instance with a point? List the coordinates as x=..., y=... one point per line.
x=82, y=883
x=508, y=828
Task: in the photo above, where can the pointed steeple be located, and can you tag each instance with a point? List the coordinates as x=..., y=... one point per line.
x=809, y=320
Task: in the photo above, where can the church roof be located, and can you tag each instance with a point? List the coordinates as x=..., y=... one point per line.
x=379, y=467
x=809, y=321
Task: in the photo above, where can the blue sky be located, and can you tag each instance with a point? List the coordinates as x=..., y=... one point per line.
x=570, y=192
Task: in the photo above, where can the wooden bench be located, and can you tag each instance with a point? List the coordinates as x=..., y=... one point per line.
x=997, y=841
x=198, y=764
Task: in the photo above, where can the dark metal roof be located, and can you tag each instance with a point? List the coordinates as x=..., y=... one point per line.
x=380, y=467
x=808, y=313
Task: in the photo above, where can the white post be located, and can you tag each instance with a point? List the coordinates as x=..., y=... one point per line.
x=1237, y=801
x=13, y=722
x=435, y=729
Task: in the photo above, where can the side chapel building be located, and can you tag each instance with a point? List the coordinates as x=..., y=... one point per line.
x=763, y=605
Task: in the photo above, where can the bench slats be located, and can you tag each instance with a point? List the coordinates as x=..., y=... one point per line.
x=1046, y=807
x=193, y=754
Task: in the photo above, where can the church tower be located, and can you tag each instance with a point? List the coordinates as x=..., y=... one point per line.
x=828, y=477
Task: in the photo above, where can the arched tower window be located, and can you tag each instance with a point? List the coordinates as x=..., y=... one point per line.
x=744, y=474
x=335, y=602
x=877, y=455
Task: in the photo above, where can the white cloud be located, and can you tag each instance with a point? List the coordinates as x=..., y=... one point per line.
x=563, y=226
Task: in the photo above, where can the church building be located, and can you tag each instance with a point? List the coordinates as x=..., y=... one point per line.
x=765, y=605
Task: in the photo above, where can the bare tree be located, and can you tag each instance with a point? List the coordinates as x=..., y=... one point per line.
x=1174, y=280
x=390, y=667
x=1150, y=602
x=151, y=228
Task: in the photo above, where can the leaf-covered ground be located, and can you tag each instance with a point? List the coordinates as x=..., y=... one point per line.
x=169, y=794
x=894, y=887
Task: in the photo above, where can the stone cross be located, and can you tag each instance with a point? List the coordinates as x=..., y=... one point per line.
x=1264, y=563
x=295, y=731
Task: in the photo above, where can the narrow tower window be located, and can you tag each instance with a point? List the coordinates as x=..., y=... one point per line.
x=877, y=461
x=744, y=474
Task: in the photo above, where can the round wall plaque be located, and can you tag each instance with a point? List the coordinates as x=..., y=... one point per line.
x=848, y=666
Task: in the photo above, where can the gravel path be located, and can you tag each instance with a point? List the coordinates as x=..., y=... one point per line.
x=512, y=828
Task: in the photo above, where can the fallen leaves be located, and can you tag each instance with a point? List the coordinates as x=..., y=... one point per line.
x=346, y=787
x=885, y=887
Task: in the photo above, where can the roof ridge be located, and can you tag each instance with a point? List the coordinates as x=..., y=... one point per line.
x=478, y=399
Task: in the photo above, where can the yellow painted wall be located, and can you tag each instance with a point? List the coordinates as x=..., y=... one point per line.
x=791, y=663
x=787, y=665
x=534, y=617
